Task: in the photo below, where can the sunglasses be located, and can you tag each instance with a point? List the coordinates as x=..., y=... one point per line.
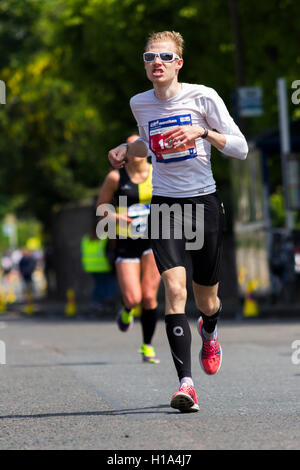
x=164, y=56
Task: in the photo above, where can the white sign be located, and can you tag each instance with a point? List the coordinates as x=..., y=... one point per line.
x=8, y=229
x=250, y=101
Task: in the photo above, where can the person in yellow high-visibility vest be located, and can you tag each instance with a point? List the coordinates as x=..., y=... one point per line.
x=96, y=262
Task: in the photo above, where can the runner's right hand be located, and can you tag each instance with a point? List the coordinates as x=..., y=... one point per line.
x=117, y=156
x=124, y=216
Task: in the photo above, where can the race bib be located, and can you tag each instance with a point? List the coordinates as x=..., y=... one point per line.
x=163, y=151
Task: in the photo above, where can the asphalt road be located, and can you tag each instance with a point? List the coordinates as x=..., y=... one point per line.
x=77, y=384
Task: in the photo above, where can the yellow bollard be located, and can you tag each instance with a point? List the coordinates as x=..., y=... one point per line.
x=242, y=276
x=250, y=308
x=2, y=302
x=11, y=297
x=70, y=308
x=29, y=307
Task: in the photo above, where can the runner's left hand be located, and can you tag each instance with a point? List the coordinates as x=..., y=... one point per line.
x=182, y=135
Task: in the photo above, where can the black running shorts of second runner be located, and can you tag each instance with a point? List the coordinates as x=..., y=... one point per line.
x=131, y=249
x=170, y=251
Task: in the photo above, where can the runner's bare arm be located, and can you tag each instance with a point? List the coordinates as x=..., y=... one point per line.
x=107, y=192
x=109, y=187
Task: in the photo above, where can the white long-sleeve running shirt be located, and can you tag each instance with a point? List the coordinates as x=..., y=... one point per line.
x=185, y=171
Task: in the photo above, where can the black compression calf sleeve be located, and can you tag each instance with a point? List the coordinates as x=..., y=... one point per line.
x=209, y=322
x=180, y=339
x=148, y=321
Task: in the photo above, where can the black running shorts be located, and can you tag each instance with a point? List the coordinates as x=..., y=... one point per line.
x=130, y=249
x=207, y=225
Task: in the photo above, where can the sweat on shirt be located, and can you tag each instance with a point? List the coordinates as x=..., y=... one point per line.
x=185, y=171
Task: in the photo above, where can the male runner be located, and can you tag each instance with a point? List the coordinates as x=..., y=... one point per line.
x=178, y=123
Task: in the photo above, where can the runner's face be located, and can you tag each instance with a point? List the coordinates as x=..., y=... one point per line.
x=134, y=160
x=159, y=72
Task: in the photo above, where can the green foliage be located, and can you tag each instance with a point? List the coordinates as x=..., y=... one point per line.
x=277, y=208
x=25, y=229
x=28, y=229
x=52, y=131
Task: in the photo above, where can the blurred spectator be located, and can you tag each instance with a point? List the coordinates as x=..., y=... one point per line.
x=6, y=263
x=282, y=267
x=96, y=257
x=27, y=265
x=16, y=257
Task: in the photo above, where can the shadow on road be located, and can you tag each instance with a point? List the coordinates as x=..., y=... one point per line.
x=147, y=409
x=13, y=366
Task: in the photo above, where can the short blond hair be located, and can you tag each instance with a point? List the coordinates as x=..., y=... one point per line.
x=168, y=36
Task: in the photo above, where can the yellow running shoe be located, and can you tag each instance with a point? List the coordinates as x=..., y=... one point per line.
x=148, y=354
x=124, y=320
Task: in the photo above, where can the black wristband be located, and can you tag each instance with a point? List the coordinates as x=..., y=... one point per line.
x=205, y=134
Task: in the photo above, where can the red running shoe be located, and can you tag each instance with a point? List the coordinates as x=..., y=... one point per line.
x=210, y=356
x=185, y=400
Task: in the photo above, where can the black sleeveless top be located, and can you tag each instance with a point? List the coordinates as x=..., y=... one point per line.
x=135, y=199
